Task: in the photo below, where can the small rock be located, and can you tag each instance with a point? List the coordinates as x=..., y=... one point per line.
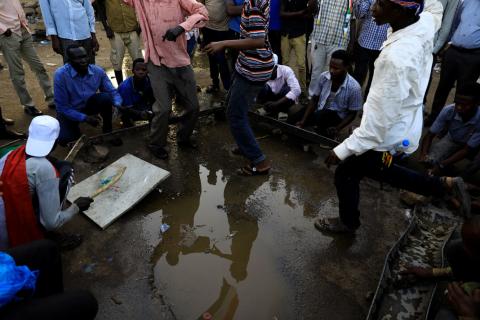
x=115, y=300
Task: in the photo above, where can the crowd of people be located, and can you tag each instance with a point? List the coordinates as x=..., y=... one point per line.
x=318, y=65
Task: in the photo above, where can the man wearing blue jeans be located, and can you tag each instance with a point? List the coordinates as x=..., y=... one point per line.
x=253, y=69
x=82, y=91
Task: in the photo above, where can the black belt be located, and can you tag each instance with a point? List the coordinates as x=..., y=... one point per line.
x=465, y=50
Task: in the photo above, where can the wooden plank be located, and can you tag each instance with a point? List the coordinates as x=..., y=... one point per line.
x=76, y=147
x=139, y=179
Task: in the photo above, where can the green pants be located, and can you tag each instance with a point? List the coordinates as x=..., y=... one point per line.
x=16, y=47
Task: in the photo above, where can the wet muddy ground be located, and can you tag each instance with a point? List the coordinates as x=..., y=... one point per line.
x=236, y=247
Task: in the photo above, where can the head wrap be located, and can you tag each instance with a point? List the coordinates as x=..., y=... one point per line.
x=417, y=6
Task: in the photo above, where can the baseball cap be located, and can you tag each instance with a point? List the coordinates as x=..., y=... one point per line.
x=42, y=134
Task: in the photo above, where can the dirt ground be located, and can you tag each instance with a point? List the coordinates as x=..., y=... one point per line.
x=238, y=248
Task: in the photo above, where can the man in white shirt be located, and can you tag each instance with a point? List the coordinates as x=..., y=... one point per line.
x=281, y=91
x=392, y=118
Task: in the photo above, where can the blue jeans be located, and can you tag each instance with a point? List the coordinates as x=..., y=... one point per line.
x=100, y=103
x=240, y=98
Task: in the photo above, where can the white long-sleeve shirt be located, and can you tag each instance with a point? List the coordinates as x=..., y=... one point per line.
x=393, y=110
x=285, y=75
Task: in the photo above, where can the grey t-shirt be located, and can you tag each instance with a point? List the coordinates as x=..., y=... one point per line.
x=43, y=181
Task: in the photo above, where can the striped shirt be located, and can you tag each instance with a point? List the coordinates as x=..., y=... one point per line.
x=331, y=25
x=255, y=64
x=371, y=35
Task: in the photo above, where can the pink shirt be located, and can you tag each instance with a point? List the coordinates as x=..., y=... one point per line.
x=12, y=16
x=156, y=17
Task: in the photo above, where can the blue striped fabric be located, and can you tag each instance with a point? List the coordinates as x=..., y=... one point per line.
x=371, y=35
x=329, y=23
x=255, y=64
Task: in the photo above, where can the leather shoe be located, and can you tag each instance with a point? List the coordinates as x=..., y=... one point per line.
x=188, y=144
x=8, y=121
x=32, y=111
x=12, y=135
x=158, y=152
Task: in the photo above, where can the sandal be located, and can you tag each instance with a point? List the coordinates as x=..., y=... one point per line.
x=251, y=170
x=333, y=225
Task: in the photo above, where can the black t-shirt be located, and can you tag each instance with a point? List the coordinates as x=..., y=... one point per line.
x=297, y=26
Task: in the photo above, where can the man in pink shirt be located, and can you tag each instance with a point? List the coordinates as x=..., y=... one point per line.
x=15, y=43
x=162, y=22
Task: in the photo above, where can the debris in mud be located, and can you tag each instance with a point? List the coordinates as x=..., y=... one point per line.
x=115, y=300
x=89, y=268
x=231, y=235
x=96, y=154
x=164, y=227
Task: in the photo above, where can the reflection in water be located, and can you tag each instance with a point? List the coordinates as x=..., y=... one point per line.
x=208, y=260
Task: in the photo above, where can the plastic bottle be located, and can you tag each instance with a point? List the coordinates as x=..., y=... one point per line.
x=400, y=148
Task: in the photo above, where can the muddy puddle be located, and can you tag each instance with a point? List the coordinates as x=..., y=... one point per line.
x=219, y=254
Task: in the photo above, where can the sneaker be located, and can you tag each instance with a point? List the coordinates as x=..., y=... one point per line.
x=158, y=152
x=32, y=111
x=8, y=121
x=212, y=88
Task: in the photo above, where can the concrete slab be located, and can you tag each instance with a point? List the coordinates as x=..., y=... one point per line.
x=137, y=180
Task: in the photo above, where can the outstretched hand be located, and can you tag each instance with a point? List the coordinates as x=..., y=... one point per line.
x=332, y=159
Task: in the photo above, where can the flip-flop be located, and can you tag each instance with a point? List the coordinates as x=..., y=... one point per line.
x=250, y=171
x=333, y=225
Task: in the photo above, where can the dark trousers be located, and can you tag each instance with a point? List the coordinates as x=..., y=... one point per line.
x=321, y=120
x=352, y=170
x=364, y=62
x=87, y=44
x=267, y=95
x=99, y=103
x=49, y=301
x=168, y=83
x=275, y=38
x=464, y=267
x=232, y=54
x=460, y=66
x=218, y=61
x=240, y=99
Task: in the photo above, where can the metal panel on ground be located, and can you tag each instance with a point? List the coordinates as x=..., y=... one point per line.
x=117, y=188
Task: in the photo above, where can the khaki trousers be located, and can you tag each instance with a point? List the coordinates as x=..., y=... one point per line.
x=15, y=48
x=298, y=46
x=131, y=41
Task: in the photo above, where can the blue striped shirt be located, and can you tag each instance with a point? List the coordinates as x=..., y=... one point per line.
x=347, y=98
x=255, y=64
x=68, y=19
x=371, y=35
